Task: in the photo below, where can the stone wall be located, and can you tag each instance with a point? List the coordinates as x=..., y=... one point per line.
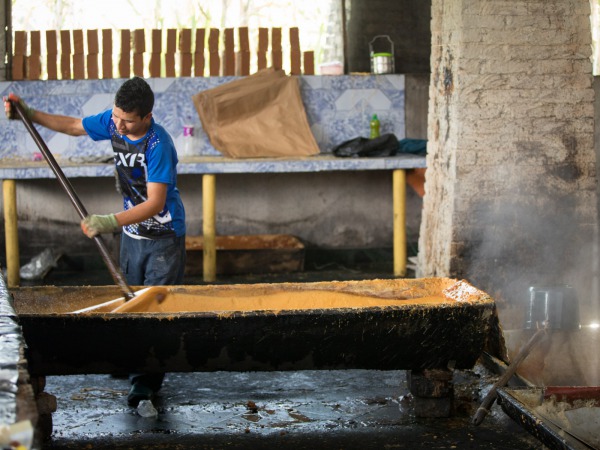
x=511, y=183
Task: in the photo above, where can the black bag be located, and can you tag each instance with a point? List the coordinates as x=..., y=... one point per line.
x=384, y=145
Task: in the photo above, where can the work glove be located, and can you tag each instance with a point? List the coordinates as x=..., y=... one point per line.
x=97, y=224
x=10, y=112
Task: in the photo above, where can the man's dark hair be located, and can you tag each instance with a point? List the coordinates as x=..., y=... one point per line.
x=135, y=96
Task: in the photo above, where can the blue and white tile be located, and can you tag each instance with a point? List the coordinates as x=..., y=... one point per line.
x=337, y=108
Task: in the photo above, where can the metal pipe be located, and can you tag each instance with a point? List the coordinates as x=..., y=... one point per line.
x=209, y=227
x=11, y=235
x=399, y=225
x=66, y=185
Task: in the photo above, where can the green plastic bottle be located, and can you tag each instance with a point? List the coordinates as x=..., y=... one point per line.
x=374, y=126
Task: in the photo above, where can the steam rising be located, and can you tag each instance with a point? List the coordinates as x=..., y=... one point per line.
x=540, y=240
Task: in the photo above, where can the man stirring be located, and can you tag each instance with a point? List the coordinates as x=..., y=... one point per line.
x=152, y=251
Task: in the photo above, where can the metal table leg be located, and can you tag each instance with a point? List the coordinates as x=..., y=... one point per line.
x=399, y=200
x=209, y=227
x=9, y=189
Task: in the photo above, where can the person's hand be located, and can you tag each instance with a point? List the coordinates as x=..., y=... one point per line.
x=8, y=109
x=97, y=224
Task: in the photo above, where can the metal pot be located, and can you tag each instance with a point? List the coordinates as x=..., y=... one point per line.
x=553, y=307
x=382, y=58
x=382, y=63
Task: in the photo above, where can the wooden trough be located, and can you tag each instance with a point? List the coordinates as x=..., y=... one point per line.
x=377, y=324
x=248, y=254
x=254, y=254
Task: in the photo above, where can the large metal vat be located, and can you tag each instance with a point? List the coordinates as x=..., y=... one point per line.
x=374, y=324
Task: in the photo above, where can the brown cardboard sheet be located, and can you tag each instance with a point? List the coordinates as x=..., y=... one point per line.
x=261, y=115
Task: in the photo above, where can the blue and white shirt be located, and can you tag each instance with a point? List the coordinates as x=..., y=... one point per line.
x=151, y=159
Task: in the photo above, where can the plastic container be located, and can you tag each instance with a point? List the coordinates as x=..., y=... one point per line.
x=374, y=127
x=188, y=140
x=146, y=409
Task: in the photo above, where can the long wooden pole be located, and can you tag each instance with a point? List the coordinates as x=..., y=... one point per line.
x=489, y=399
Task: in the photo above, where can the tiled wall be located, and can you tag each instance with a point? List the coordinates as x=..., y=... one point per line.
x=338, y=108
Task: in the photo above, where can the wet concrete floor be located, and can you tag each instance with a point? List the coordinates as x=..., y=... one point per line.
x=347, y=409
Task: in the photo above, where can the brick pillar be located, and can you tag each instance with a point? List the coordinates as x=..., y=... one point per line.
x=511, y=184
x=433, y=392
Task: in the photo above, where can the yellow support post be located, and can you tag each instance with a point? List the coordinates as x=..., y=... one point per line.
x=9, y=190
x=399, y=200
x=209, y=227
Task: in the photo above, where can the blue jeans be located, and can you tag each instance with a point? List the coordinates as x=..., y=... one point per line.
x=152, y=262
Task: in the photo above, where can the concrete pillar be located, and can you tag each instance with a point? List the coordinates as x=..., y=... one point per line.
x=511, y=182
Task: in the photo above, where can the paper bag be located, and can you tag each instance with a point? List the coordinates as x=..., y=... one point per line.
x=261, y=115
